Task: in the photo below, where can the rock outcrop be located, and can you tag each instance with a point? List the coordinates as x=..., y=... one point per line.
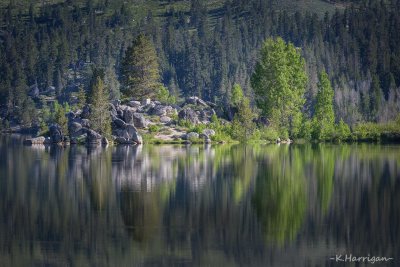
x=189, y=115
x=93, y=137
x=56, y=134
x=129, y=117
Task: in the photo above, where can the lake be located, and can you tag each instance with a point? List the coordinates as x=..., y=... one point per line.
x=225, y=205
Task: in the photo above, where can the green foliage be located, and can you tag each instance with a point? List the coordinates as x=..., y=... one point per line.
x=324, y=116
x=184, y=123
x=140, y=75
x=43, y=128
x=343, y=131
x=283, y=134
x=269, y=134
x=28, y=112
x=237, y=95
x=154, y=128
x=59, y=116
x=223, y=135
x=215, y=120
x=207, y=54
x=100, y=117
x=279, y=83
x=164, y=96
x=198, y=128
x=81, y=98
x=45, y=114
x=376, y=97
x=243, y=126
x=97, y=73
x=367, y=131
x=280, y=197
x=370, y=131
x=306, y=129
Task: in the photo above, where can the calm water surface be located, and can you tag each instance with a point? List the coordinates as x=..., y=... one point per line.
x=237, y=205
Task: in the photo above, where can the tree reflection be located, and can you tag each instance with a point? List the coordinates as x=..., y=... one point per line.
x=197, y=205
x=141, y=212
x=280, y=195
x=324, y=168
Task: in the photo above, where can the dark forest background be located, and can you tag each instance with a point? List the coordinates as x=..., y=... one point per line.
x=204, y=48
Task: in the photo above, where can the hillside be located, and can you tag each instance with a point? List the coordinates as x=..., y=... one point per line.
x=160, y=8
x=204, y=47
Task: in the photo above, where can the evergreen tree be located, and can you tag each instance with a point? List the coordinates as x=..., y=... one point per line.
x=100, y=117
x=97, y=73
x=279, y=83
x=140, y=75
x=324, y=116
x=59, y=117
x=343, y=131
x=81, y=97
x=28, y=112
x=376, y=98
x=237, y=95
x=243, y=126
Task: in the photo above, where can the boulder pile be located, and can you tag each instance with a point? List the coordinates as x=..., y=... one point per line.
x=127, y=119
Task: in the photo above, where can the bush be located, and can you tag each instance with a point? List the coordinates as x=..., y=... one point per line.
x=223, y=133
x=154, y=128
x=198, y=128
x=367, y=131
x=342, y=131
x=222, y=137
x=185, y=123
x=164, y=96
x=269, y=134
x=283, y=134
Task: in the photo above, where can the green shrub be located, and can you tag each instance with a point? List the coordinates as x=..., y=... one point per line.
x=367, y=131
x=269, y=134
x=198, y=128
x=283, y=134
x=43, y=128
x=154, y=128
x=306, y=130
x=342, y=131
x=185, y=123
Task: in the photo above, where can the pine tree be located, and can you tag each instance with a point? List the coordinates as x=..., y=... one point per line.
x=81, y=97
x=324, y=116
x=243, y=126
x=279, y=84
x=376, y=97
x=342, y=131
x=100, y=117
x=59, y=117
x=96, y=73
x=140, y=75
x=237, y=95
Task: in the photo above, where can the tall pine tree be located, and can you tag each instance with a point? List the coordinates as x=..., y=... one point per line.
x=140, y=74
x=100, y=117
x=324, y=116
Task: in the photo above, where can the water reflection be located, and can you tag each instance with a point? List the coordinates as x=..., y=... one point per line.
x=196, y=205
x=280, y=197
